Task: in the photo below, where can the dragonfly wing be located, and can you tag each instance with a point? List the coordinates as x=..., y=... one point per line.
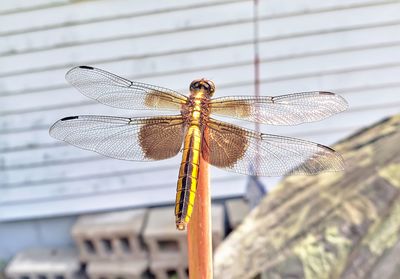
x=289, y=109
x=137, y=139
x=244, y=151
x=115, y=91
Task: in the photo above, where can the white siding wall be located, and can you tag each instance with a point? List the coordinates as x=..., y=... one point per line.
x=350, y=47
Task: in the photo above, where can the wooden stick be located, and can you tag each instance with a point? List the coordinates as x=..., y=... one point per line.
x=199, y=229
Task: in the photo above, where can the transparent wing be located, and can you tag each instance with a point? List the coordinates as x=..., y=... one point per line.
x=137, y=139
x=243, y=151
x=115, y=91
x=289, y=109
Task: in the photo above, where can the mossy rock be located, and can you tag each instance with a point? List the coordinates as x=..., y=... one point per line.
x=333, y=225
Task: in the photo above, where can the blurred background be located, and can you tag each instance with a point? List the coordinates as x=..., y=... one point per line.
x=349, y=47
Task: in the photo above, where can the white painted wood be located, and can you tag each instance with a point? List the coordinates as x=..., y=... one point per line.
x=282, y=69
x=129, y=174
x=16, y=6
x=281, y=8
x=131, y=27
x=146, y=46
x=139, y=70
x=270, y=50
x=111, y=200
x=351, y=47
x=138, y=47
x=87, y=11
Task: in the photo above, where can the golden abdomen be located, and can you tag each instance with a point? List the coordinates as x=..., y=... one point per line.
x=188, y=175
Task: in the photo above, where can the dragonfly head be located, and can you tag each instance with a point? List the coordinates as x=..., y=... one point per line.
x=207, y=85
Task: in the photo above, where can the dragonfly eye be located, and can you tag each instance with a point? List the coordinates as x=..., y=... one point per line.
x=205, y=84
x=211, y=87
x=195, y=85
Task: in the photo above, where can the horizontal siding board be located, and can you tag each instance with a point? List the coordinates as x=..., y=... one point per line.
x=91, y=169
x=131, y=177
x=355, y=78
x=284, y=49
x=98, y=11
x=276, y=69
x=146, y=46
x=289, y=8
x=133, y=27
x=16, y=6
x=127, y=28
x=91, y=11
x=229, y=186
x=137, y=69
x=330, y=20
x=69, y=95
x=344, y=61
x=184, y=41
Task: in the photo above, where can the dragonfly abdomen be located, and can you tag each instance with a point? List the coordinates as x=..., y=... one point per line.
x=188, y=175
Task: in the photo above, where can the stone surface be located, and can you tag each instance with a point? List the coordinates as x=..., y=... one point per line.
x=110, y=236
x=332, y=225
x=44, y=263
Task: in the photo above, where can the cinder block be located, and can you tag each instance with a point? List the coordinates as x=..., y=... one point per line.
x=134, y=269
x=162, y=238
x=110, y=236
x=44, y=264
x=218, y=224
x=166, y=269
x=168, y=246
x=237, y=210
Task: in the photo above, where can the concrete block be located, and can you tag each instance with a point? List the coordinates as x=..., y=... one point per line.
x=166, y=243
x=134, y=269
x=237, y=210
x=162, y=238
x=110, y=236
x=218, y=224
x=44, y=264
x=166, y=269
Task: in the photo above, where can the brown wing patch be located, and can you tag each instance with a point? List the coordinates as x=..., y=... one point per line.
x=161, y=140
x=156, y=99
x=248, y=152
x=235, y=109
x=224, y=145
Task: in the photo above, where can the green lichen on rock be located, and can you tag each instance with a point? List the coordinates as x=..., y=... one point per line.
x=392, y=174
x=384, y=235
x=323, y=256
x=333, y=225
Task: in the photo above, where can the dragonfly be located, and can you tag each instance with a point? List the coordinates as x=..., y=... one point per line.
x=195, y=133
